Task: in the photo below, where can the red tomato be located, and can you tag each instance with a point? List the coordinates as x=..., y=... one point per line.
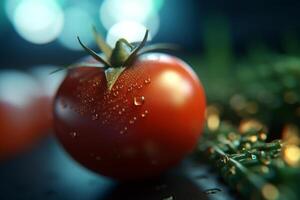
x=149, y=120
x=19, y=112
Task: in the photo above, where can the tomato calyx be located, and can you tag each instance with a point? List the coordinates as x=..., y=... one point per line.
x=117, y=59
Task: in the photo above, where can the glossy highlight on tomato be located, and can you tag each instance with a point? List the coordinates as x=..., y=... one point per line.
x=146, y=123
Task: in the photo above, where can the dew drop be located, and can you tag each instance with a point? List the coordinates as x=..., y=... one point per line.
x=120, y=112
x=138, y=101
x=144, y=114
x=129, y=89
x=131, y=122
x=123, y=109
x=95, y=117
x=134, y=118
x=121, y=132
x=147, y=81
x=125, y=128
x=73, y=134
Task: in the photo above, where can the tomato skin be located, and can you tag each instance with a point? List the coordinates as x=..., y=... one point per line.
x=147, y=123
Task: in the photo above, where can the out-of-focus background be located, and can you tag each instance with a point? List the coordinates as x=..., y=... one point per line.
x=246, y=54
x=44, y=31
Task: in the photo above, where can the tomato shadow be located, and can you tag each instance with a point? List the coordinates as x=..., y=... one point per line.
x=167, y=187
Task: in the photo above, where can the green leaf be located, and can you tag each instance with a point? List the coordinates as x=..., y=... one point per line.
x=136, y=50
x=112, y=75
x=162, y=46
x=94, y=54
x=103, y=46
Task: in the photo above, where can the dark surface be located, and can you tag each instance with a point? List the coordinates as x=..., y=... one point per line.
x=47, y=172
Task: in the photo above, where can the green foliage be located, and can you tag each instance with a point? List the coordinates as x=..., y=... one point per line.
x=255, y=168
x=264, y=87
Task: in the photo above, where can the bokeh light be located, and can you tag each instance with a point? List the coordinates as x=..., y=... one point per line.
x=78, y=22
x=127, y=18
x=114, y=11
x=158, y=4
x=10, y=7
x=17, y=88
x=132, y=31
x=49, y=82
x=38, y=21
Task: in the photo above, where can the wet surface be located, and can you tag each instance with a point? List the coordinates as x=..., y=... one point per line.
x=47, y=172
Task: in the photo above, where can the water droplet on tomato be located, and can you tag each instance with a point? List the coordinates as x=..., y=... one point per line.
x=145, y=113
x=125, y=128
x=138, y=101
x=73, y=134
x=120, y=112
x=147, y=81
x=95, y=116
x=123, y=109
x=131, y=122
x=116, y=93
x=121, y=132
x=134, y=118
